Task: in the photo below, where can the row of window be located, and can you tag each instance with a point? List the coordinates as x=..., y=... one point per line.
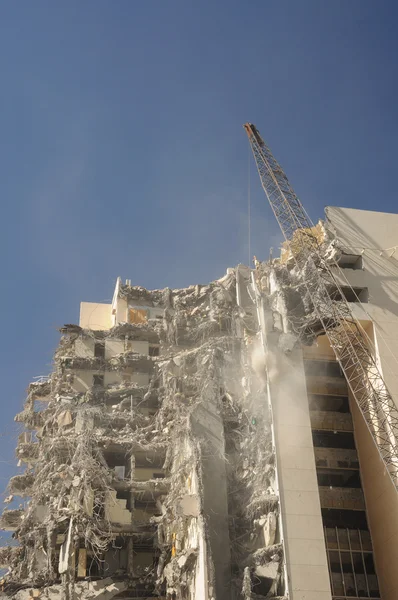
x=349, y=547
x=333, y=439
x=353, y=574
x=323, y=368
x=344, y=538
x=343, y=478
x=324, y=403
x=357, y=294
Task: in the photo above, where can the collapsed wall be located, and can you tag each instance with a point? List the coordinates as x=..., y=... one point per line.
x=150, y=464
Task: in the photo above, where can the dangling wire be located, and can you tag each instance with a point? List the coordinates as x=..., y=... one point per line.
x=249, y=206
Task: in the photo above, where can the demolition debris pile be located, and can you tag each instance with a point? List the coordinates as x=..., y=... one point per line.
x=196, y=413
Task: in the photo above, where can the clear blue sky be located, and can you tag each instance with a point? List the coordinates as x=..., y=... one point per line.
x=122, y=150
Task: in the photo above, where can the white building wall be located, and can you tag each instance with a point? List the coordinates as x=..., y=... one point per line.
x=138, y=346
x=113, y=347
x=301, y=515
x=374, y=236
x=300, y=521
x=94, y=315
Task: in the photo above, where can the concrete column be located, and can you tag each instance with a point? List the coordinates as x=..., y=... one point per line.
x=299, y=497
x=208, y=427
x=130, y=546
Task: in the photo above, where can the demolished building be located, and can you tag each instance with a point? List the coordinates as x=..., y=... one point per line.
x=202, y=443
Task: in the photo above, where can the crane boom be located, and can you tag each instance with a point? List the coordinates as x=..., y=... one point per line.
x=332, y=312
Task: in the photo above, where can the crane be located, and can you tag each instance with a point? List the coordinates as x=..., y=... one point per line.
x=332, y=313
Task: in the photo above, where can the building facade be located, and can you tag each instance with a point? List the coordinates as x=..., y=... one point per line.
x=190, y=445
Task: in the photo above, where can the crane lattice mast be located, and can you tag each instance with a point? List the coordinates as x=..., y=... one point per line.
x=332, y=312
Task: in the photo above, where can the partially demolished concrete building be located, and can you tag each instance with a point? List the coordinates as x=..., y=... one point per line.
x=191, y=445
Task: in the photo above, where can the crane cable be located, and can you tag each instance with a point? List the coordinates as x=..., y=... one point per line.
x=249, y=204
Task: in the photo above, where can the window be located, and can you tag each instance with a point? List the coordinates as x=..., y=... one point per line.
x=138, y=316
x=158, y=476
x=124, y=495
x=338, y=478
x=331, y=439
x=261, y=585
x=345, y=518
x=149, y=505
x=356, y=294
x=350, y=261
x=329, y=403
x=154, y=350
x=98, y=379
x=322, y=368
x=99, y=350
x=352, y=574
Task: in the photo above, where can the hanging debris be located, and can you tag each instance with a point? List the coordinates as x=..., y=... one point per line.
x=150, y=468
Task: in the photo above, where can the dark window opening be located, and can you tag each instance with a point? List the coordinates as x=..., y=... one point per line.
x=329, y=403
x=117, y=459
x=369, y=563
x=94, y=566
x=158, y=476
x=331, y=439
x=116, y=557
x=341, y=464
x=350, y=294
x=142, y=546
x=120, y=495
x=344, y=518
x=119, y=543
x=146, y=462
x=323, y=368
x=99, y=350
x=350, y=261
x=149, y=505
x=98, y=379
x=261, y=585
x=338, y=478
x=154, y=350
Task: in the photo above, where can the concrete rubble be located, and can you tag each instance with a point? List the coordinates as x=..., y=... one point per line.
x=298, y=288
x=157, y=479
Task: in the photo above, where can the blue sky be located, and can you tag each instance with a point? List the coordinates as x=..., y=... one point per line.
x=122, y=150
